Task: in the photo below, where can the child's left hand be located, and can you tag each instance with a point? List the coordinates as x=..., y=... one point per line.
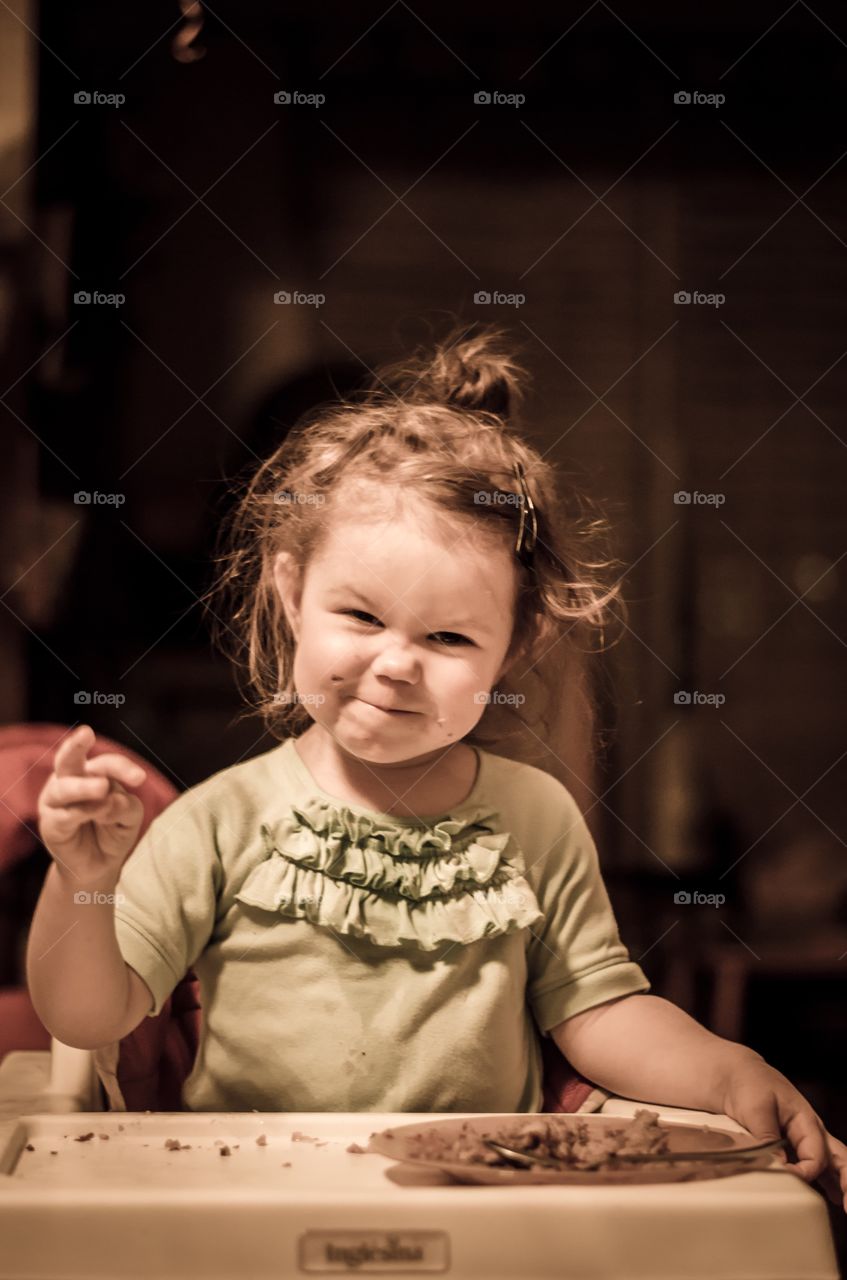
x=765, y=1102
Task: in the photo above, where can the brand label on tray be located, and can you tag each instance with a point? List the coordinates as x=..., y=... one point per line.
x=363, y=1251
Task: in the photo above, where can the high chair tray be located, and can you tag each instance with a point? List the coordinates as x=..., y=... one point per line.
x=131, y=1195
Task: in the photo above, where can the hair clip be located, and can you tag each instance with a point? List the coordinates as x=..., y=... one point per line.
x=526, y=540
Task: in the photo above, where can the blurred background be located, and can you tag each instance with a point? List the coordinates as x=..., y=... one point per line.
x=212, y=219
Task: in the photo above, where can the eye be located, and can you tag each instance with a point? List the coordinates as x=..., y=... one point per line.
x=441, y=637
x=359, y=613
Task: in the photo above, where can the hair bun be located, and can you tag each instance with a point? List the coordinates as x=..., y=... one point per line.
x=471, y=369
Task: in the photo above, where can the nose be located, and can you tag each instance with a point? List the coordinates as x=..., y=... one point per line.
x=397, y=663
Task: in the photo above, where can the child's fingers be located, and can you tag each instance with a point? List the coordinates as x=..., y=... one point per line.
x=119, y=768
x=66, y=790
x=118, y=808
x=71, y=760
x=834, y=1188
x=808, y=1138
x=71, y=753
x=834, y=1178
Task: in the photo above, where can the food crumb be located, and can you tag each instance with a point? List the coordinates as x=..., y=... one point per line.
x=30, y=1147
x=262, y=1140
x=297, y=1136
x=120, y=1128
x=286, y=1164
x=236, y=1145
x=104, y=1137
x=174, y=1144
x=54, y=1153
x=84, y=1137
x=224, y=1150
x=356, y=1150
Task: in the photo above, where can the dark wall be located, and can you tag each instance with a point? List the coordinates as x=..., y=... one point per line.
x=400, y=199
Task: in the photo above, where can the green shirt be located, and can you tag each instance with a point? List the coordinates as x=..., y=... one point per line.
x=354, y=961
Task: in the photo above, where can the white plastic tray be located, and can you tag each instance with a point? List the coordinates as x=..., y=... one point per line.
x=124, y=1207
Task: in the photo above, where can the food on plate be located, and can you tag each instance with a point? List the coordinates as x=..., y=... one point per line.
x=568, y=1139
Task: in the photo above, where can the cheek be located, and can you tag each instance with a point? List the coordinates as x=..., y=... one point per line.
x=461, y=683
x=326, y=654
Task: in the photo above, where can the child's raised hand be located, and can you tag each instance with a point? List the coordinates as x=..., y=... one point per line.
x=87, y=820
x=765, y=1102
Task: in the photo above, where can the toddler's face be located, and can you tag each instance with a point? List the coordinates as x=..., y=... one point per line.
x=401, y=634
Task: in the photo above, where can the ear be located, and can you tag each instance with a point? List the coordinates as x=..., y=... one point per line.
x=289, y=587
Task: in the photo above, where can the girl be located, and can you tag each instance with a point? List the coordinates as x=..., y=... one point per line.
x=381, y=912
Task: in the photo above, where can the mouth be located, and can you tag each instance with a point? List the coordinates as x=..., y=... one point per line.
x=388, y=711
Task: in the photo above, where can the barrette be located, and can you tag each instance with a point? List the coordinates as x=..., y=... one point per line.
x=528, y=528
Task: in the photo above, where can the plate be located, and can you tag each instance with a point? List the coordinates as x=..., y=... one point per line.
x=402, y=1143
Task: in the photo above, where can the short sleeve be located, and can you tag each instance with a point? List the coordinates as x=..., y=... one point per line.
x=575, y=959
x=166, y=897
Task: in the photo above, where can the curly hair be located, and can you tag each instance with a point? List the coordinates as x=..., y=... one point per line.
x=439, y=429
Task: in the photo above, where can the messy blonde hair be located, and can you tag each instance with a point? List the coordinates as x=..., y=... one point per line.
x=439, y=428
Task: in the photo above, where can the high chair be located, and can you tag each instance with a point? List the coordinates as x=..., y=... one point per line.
x=80, y=1185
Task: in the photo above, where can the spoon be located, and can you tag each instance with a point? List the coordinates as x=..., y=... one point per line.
x=526, y=1160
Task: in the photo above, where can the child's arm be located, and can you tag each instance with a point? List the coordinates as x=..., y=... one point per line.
x=82, y=989
x=644, y=1047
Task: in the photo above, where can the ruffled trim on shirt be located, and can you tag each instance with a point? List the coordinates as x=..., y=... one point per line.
x=455, y=881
